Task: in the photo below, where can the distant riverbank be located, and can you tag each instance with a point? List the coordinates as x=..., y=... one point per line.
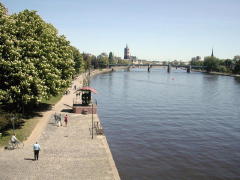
x=218, y=73
x=225, y=74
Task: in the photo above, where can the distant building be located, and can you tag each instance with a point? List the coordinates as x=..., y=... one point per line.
x=126, y=53
x=197, y=58
x=117, y=58
x=104, y=54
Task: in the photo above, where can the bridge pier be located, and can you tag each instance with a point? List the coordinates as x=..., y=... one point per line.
x=169, y=68
x=149, y=67
x=189, y=68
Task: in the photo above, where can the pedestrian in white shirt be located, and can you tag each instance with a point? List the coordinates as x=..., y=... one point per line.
x=36, y=149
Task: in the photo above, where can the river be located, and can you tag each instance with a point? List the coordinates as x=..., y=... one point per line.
x=176, y=126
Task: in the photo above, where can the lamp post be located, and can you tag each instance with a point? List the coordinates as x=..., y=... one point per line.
x=92, y=116
x=13, y=123
x=92, y=120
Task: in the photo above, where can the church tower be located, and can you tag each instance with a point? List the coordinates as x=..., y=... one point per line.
x=212, y=53
x=126, y=53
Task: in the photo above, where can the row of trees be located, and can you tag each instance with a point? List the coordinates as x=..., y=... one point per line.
x=35, y=61
x=219, y=65
x=102, y=61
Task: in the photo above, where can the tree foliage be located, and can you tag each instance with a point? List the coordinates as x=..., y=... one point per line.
x=111, y=58
x=194, y=62
x=211, y=63
x=236, y=62
x=78, y=60
x=35, y=62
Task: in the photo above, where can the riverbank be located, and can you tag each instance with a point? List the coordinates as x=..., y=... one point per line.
x=67, y=152
x=225, y=74
x=218, y=73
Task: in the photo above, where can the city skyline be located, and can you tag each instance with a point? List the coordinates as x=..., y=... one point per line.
x=154, y=30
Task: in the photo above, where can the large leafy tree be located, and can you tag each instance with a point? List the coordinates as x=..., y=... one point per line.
x=35, y=62
x=19, y=81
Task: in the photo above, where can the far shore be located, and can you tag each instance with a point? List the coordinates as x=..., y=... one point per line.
x=217, y=73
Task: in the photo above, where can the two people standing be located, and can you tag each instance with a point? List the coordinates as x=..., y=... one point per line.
x=58, y=119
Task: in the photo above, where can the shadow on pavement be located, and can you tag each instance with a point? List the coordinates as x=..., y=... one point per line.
x=67, y=110
x=68, y=105
x=29, y=159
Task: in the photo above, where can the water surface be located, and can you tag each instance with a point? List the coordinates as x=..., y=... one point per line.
x=171, y=126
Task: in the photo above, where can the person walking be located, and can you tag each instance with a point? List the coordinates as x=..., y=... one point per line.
x=59, y=120
x=66, y=120
x=36, y=149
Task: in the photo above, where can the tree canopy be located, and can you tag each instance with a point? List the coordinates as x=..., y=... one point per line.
x=35, y=61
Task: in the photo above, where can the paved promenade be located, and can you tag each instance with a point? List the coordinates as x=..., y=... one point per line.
x=66, y=152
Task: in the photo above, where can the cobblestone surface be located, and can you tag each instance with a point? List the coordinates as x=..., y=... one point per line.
x=66, y=153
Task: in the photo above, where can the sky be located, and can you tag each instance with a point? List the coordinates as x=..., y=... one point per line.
x=162, y=30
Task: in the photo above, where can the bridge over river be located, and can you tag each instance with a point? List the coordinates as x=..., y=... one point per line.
x=169, y=66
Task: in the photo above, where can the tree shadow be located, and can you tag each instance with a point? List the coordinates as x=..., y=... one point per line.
x=9, y=115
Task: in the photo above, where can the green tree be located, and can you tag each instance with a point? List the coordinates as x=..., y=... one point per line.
x=236, y=61
x=19, y=79
x=211, y=63
x=50, y=53
x=78, y=60
x=103, y=61
x=195, y=62
x=35, y=62
x=87, y=61
x=228, y=63
x=111, y=58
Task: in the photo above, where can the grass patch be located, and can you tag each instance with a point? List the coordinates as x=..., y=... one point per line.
x=28, y=122
x=21, y=132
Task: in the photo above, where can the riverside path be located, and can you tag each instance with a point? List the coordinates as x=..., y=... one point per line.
x=66, y=152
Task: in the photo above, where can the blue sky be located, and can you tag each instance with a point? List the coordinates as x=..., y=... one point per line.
x=153, y=29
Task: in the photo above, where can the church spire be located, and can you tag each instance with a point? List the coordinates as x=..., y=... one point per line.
x=212, y=53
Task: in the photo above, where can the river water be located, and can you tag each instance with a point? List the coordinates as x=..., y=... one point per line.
x=173, y=126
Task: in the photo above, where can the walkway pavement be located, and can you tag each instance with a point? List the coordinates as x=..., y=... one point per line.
x=66, y=152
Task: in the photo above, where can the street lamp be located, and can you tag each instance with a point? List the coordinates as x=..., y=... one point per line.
x=92, y=116
x=12, y=118
x=92, y=120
